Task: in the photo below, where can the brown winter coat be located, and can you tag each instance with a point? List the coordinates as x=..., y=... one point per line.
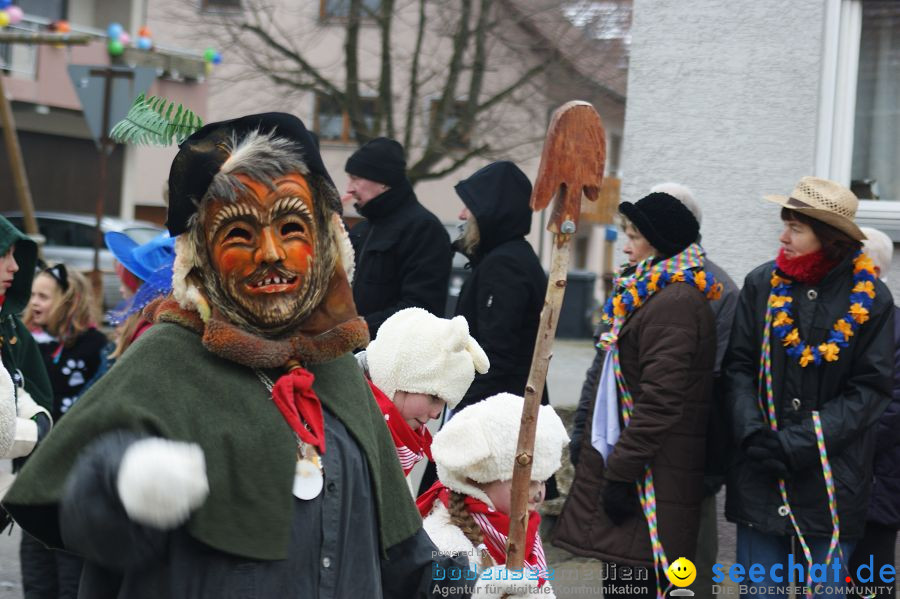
x=667, y=351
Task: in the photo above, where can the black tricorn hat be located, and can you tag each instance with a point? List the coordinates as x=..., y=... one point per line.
x=201, y=155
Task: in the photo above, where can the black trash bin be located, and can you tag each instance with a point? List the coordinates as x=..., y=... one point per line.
x=578, y=306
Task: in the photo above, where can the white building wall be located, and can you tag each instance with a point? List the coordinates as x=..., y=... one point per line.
x=724, y=97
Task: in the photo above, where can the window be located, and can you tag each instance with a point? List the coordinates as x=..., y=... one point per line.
x=859, y=111
x=53, y=10
x=875, y=170
x=220, y=4
x=339, y=9
x=456, y=141
x=333, y=124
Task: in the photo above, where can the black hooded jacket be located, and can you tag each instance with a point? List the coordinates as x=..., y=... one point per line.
x=849, y=394
x=503, y=297
x=403, y=258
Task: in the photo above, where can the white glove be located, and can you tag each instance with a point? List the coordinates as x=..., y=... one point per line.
x=497, y=582
x=28, y=408
x=18, y=430
x=161, y=482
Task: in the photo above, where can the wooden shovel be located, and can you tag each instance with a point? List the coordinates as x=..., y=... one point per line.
x=571, y=168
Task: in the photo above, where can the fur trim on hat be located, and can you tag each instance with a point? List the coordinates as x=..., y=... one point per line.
x=345, y=248
x=185, y=290
x=479, y=444
x=417, y=352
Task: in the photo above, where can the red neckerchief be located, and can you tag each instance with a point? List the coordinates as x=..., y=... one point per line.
x=299, y=404
x=494, y=527
x=808, y=269
x=412, y=445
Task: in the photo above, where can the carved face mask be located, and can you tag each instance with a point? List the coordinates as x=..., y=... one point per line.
x=263, y=251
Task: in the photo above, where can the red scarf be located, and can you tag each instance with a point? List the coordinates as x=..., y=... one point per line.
x=808, y=269
x=412, y=445
x=494, y=527
x=299, y=404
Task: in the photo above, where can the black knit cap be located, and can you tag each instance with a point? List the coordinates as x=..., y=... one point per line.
x=381, y=160
x=201, y=155
x=663, y=221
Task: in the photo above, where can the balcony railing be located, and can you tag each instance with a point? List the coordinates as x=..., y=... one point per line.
x=21, y=60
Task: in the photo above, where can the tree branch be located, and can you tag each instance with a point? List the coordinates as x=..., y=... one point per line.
x=385, y=96
x=351, y=56
x=417, y=173
x=305, y=66
x=414, y=79
x=504, y=93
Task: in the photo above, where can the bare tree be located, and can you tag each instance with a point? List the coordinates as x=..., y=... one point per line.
x=452, y=79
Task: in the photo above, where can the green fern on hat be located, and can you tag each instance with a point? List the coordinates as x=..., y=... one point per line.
x=155, y=121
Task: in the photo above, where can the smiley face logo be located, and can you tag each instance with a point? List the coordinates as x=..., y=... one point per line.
x=682, y=572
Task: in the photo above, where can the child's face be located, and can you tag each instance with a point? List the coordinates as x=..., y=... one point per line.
x=500, y=494
x=418, y=408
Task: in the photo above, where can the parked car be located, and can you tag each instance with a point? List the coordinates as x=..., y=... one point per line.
x=69, y=238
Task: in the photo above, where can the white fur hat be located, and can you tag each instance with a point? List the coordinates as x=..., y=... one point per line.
x=479, y=444
x=417, y=352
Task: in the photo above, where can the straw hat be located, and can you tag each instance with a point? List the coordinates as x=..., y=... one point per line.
x=825, y=201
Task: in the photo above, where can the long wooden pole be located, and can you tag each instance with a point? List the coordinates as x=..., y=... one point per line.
x=534, y=390
x=16, y=163
x=10, y=139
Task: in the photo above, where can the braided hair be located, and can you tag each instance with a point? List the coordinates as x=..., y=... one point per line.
x=462, y=519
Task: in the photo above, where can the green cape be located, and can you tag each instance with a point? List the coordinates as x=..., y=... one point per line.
x=169, y=385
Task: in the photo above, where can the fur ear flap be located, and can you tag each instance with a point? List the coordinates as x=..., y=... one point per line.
x=479, y=358
x=186, y=292
x=345, y=248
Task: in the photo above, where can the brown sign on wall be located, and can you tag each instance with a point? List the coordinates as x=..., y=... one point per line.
x=603, y=211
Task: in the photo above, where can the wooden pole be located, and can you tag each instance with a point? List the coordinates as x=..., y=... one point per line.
x=571, y=170
x=16, y=162
x=10, y=139
x=106, y=146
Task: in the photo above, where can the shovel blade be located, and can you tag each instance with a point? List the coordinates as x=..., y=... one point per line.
x=571, y=164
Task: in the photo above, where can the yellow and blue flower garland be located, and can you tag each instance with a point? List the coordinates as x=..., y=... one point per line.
x=632, y=293
x=862, y=295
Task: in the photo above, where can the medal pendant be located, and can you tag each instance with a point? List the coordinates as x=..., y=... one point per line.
x=308, y=480
x=308, y=477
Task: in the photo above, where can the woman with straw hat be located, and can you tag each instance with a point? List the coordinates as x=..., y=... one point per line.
x=808, y=372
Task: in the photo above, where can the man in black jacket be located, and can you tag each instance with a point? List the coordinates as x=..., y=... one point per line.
x=403, y=253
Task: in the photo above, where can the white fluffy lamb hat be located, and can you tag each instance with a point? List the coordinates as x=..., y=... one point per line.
x=417, y=352
x=478, y=445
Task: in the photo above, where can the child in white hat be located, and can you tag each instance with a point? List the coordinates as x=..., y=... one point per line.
x=467, y=511
x=417, y=364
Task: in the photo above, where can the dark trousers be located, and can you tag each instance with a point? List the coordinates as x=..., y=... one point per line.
x=48, y=573
x=879, y=544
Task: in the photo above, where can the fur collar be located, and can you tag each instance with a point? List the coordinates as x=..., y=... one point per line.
x=238, y=345
x=808, y=269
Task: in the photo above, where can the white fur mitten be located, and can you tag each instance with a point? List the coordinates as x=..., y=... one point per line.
x=7, y=413
x=25, y=429
x=160, y=481
x=497, y=582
